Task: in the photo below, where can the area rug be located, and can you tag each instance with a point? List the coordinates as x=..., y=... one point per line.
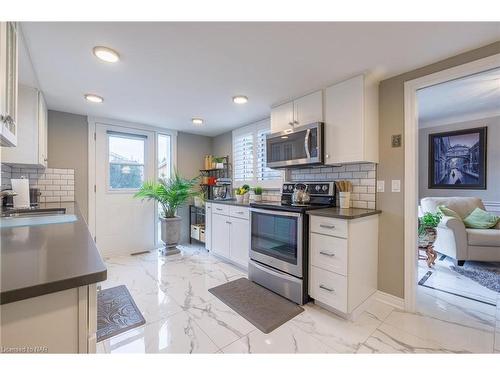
x=261, y=307
x=116, y=312
x=486, y=274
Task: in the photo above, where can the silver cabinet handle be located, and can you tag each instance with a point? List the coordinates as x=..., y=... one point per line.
x=228, y=222
x=296, y=122
x=327, y=254
x=326, y=288
x=240, y=212
x=218, y=209
x=290, y=123
x=327, y=226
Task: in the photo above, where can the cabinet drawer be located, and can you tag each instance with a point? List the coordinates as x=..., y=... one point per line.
x=221, y=209
x=328, y=288
x=241, y=212
x=329, y=226
x=329, y=253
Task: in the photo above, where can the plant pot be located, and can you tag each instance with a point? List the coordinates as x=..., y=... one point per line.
x=427, y=238
x=199, y=202
x=171, y=234
x=219, y=165
x=257, y=198
x=239, y=198
x=345, y=199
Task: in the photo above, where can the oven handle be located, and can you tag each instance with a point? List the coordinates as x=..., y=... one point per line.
x=274, y=212
x=272, y=271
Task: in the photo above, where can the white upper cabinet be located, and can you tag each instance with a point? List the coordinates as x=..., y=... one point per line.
x=301, y=111
x=308, y=109
x=32, y=132
x=8, y=83
x=351, y=121
x=282, y=117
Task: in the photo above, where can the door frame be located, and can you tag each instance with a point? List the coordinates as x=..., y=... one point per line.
x=411, y=161
x=92, y=122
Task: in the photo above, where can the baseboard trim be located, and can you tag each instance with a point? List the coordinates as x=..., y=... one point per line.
x=389, y=299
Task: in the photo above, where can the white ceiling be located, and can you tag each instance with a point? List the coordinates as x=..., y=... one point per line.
x=171, y=72
x=472, y=97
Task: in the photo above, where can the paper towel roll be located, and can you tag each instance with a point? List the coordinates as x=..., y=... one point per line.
x=21, y=186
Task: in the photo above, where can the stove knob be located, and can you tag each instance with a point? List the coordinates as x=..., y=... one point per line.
x=318, y=187
x=325, y=187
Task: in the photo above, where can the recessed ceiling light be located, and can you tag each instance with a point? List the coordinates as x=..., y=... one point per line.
x=197, y=121
x=106, y=54
x=240, y=99
x=94, y=98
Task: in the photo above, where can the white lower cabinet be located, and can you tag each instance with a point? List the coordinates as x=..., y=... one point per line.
x=230, y=233
x=220, y=235
x=343, y=258
x=60, y=322
x=239, y=248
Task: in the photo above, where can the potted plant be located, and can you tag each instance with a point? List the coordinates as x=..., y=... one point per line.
x=170, y=193
x=218, y=162
x=427, y=234
x=257, y=193
x=242, y=193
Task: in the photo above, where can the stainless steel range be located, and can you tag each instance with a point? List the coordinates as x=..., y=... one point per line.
x=279, y=239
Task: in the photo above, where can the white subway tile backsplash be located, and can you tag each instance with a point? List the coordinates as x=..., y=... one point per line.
x=55, y=184
x=352, y=167
x=362, y=177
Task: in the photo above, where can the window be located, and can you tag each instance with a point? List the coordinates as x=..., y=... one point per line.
x=249, y=157
x=164, y=159
x=126, y=160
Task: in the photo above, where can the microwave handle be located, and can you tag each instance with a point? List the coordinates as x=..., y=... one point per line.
x=306, y=143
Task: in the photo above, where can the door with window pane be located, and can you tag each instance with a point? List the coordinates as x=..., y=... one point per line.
x=124, y=160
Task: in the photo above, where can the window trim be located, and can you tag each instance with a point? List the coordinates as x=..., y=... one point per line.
x=254, y=129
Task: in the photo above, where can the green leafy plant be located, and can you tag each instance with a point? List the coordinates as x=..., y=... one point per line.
x=429, y=220
x=171, y=193
x=218, y=159
x=242, y=190
x=257, y=190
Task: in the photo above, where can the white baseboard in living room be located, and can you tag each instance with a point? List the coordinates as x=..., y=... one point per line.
x=389, y=299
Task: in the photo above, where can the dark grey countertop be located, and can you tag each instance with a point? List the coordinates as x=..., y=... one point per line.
x=344, y=213
x=231, y=202
x=38, y=260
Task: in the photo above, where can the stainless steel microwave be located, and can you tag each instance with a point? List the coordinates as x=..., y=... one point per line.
x=295, y=147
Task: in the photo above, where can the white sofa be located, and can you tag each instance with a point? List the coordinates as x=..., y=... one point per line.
x=457, y=241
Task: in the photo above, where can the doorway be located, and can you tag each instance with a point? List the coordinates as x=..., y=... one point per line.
x=125, y=158
x=412, y=163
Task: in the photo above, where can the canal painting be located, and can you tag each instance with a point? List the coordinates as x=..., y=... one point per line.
x=457, y=160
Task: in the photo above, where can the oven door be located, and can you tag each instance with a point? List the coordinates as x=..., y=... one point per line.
x=277, y=239
x=295, y=147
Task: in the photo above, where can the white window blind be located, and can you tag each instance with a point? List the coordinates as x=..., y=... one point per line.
x=249, y=157
x=243, y=150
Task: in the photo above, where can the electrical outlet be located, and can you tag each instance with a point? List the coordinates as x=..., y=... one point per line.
x=380, y=186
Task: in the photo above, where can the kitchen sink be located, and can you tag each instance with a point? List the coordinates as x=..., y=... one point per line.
x=32, y=217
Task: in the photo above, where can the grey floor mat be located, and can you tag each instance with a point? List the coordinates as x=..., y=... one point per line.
x=261, y=307
x=116, y=312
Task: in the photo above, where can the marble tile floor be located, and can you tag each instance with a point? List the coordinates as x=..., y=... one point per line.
x=446, y=279
x=183, y=317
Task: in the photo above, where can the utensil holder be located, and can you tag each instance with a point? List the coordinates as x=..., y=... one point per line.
x=345, y=199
